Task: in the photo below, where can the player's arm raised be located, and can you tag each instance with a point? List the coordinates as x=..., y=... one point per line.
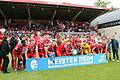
x=37, y=52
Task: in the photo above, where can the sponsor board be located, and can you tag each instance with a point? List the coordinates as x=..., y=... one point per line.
x=34, y=64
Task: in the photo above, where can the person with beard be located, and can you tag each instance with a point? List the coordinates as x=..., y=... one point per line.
x=115, y=47
x=5, y=49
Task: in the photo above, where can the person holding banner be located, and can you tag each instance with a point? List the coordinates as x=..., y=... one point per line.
x=50, y=50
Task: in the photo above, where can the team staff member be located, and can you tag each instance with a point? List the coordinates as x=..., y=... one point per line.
x=115, y=47
x=13, y=43
x=5, y=49
x=1, y=39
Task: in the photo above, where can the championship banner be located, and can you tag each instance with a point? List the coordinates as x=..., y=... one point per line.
x=35, y=64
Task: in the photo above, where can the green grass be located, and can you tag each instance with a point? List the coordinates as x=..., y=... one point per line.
x=108, y=71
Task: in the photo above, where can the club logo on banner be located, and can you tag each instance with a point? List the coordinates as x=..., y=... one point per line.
x=101, y=59
x=63, y=62
x=33, y=64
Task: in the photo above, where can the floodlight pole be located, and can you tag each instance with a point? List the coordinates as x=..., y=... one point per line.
x=29, y=15
x=75, y=17
x=53, y=16
x=4, y=16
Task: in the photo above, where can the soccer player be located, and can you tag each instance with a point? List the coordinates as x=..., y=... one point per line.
x=94, y=47
x=86, y=47
x=79, y=48
x=41, y=50
x=50, y=50
x=17, y=53
x=60, y=50
x=105, y=45
x=32, y=50
x=68, y=47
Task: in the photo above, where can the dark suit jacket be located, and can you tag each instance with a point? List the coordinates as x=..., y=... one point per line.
x=5, y=48
x=13, y=43
x=115, y=44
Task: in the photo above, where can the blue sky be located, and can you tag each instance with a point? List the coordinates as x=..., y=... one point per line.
x=115, y=3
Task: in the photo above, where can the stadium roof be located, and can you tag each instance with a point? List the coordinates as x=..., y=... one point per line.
x=40, y=10
x=107, y=20
x=108, y=17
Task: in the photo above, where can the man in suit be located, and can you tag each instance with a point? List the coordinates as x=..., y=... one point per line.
x=5, y=49
x=115, y=47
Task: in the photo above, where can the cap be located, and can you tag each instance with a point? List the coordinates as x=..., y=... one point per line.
x=1, y=36
x=2, y=31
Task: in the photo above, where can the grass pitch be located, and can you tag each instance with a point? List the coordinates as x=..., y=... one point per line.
x=108, y=71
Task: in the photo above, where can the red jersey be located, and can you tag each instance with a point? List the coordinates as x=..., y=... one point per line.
x=41, y=47
x=74, y=43
x=60, y=50
x=68, y=47
x=19, y=48
x=37, y=40
x=61, y=47
x=31, y=49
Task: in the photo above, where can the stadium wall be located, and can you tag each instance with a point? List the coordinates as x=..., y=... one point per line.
x=110, y=31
